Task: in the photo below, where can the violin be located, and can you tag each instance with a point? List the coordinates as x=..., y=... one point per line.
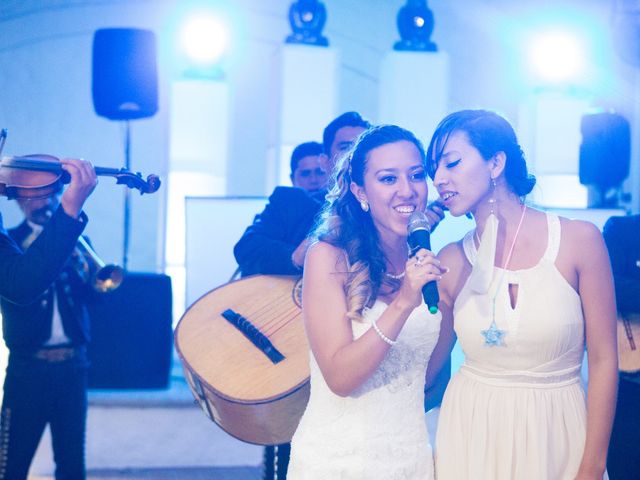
x=41, y=176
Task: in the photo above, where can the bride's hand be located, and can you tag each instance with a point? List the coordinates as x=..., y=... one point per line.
x=420, y=269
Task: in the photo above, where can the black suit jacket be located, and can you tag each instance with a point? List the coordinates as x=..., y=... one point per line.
x=27, y=326
x=267, y=245
x=24, y=276
x=622, y=236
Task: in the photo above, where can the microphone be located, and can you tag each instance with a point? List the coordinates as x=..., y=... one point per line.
x=419, y=230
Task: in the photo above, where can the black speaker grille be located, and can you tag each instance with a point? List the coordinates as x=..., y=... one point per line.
x=605, y=152
x=125, y=75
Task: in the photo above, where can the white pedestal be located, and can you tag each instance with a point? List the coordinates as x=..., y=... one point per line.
x=414, y=91
x=307, y=96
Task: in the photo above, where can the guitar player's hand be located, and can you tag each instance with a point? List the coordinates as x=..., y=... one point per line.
x=83, y=182
x=297, y=257
x=435, y=213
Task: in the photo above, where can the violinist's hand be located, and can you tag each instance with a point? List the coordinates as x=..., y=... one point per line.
x=83, y=181
x=420, y=269
x=435, y=213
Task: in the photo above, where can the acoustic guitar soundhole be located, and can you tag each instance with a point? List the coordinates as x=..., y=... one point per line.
x=297, y=293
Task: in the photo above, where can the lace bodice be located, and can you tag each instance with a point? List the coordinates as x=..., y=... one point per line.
x=378, y=432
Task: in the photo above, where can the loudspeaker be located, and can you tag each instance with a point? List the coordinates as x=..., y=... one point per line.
x=605, y=151
x=131, y=334
x=125, y=75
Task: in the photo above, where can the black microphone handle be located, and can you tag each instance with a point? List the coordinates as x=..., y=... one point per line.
x=431, y=296
x=420, y=238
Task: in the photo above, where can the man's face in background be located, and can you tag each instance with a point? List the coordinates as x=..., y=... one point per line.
x=311, y=173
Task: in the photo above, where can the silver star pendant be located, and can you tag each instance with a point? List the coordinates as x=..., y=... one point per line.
x=493, y=336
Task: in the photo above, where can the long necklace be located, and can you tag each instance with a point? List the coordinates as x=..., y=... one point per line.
x=493, y=336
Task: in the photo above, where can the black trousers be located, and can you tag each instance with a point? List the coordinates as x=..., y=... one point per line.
x=623, y=461
x=276, y=462
x=36, y=393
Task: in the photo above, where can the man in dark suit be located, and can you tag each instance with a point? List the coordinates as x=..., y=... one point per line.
x=46, y=373
x=622, y=235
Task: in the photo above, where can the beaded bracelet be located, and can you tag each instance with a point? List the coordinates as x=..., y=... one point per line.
x=384, y=338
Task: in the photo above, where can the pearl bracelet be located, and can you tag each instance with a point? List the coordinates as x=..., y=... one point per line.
x=384, y=338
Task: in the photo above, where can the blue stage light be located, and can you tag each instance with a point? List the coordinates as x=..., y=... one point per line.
x=557, y=56
x=557, y=47
x=204, y=39
x=201, y=38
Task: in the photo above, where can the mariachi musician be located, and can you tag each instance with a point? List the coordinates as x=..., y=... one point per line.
x=623, y=243
x=46, y=380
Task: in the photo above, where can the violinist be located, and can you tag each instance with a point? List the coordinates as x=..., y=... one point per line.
x=46, y=333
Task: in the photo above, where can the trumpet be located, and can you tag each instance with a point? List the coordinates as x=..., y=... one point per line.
x=104, y=278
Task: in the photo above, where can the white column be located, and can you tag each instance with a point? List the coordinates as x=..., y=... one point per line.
x=306, y=82
x=198, y=150
x=414, y=91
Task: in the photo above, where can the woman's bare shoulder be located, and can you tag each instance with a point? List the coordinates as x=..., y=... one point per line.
x=323, y=253
x=578, y=231
x=452, y=253
x=453, y=258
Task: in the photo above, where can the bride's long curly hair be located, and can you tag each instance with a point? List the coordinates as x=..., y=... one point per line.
x=344, y=224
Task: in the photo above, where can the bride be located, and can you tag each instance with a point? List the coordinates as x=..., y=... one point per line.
x=370, y=333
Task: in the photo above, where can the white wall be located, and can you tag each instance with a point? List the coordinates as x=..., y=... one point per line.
x=45, y=82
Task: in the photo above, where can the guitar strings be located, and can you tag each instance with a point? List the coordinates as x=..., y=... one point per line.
x=257, y=310
x=266, y=310
x=292, y=314
x=285, y=317
x=273, y=309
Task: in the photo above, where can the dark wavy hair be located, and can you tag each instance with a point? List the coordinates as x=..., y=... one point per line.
x=345, y=225
x=347, y=119
x=489, y=133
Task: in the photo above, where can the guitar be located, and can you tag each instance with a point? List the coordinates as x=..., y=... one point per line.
x=629, y=343
x=246, y=357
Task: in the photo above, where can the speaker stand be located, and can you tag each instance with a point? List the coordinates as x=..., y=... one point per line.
x=127, y=196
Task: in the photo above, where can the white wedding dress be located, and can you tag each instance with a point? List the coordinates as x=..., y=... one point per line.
x=379, y=431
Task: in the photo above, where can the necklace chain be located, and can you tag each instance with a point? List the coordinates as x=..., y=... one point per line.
x=493, y=335
x=515, y=237
x=513, y=243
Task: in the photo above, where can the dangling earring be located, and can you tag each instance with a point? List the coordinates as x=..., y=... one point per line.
x=492, y=200
x=364, y=205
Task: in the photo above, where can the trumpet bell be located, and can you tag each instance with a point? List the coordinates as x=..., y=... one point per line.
x=108, y=278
